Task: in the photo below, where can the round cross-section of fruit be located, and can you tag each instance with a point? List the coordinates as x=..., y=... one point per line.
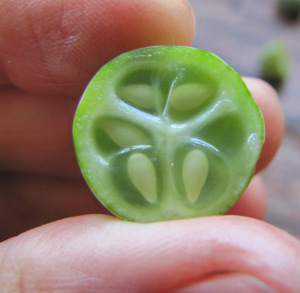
x=167, y=132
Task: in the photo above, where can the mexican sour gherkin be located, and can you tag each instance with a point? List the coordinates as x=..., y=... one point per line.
x=167, y=132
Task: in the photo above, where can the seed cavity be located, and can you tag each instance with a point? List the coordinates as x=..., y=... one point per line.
x=142, y=173
x=189, y=96
x=194, y=173
x=140, y=95
x=125, y=134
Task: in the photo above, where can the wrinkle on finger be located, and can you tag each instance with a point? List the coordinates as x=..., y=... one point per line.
x=226, y=282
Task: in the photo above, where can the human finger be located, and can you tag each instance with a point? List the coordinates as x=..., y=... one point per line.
x=268, y=102
x=36, y=133
x=102, y=254
x=55, y=47
x=29, y=200
x=48, y=51
x=253, y=202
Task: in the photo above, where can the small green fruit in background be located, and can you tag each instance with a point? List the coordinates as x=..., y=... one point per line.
x=289, y=9
x=274, y=63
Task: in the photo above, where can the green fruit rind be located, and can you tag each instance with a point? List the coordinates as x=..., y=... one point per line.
x=167, y=132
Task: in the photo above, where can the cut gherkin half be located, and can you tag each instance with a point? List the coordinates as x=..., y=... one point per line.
x=167, y=132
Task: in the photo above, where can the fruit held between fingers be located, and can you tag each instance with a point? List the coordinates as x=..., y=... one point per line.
x=167, y=132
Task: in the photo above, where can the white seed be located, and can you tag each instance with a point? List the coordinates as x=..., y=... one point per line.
x=142, y=173
x=125, y=134
x=189, y=96
x=140, y=95
x=194, y=172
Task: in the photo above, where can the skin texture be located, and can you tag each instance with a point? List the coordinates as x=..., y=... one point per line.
x=102, y=254
x=48, y=52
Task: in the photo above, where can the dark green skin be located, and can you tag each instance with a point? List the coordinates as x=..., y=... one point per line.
x=167, y=132
x=289, y=9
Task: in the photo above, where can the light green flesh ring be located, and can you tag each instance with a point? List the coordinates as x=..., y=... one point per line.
x=125, y=134
x=194, y=173
x=143, y=176
x=189, y=96
x=140, y=95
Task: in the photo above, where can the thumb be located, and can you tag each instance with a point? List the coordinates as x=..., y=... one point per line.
x=102, y=254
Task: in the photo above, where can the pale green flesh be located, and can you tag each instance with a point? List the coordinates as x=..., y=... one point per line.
x=166, y=136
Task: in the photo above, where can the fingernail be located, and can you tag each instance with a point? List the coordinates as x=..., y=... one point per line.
x=227, y=283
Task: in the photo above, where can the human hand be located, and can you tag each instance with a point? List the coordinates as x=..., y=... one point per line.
x=49, y=50
x=48, y=53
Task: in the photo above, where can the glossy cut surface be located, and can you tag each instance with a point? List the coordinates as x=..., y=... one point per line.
x=167, y=132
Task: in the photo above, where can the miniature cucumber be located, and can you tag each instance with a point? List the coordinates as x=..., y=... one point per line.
x=167, y=132
x=274, y=63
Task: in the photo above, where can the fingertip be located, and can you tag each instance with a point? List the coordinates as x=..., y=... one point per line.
x=170, y=24
x=253, y=202
x=267, y=100
x=134, y=24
